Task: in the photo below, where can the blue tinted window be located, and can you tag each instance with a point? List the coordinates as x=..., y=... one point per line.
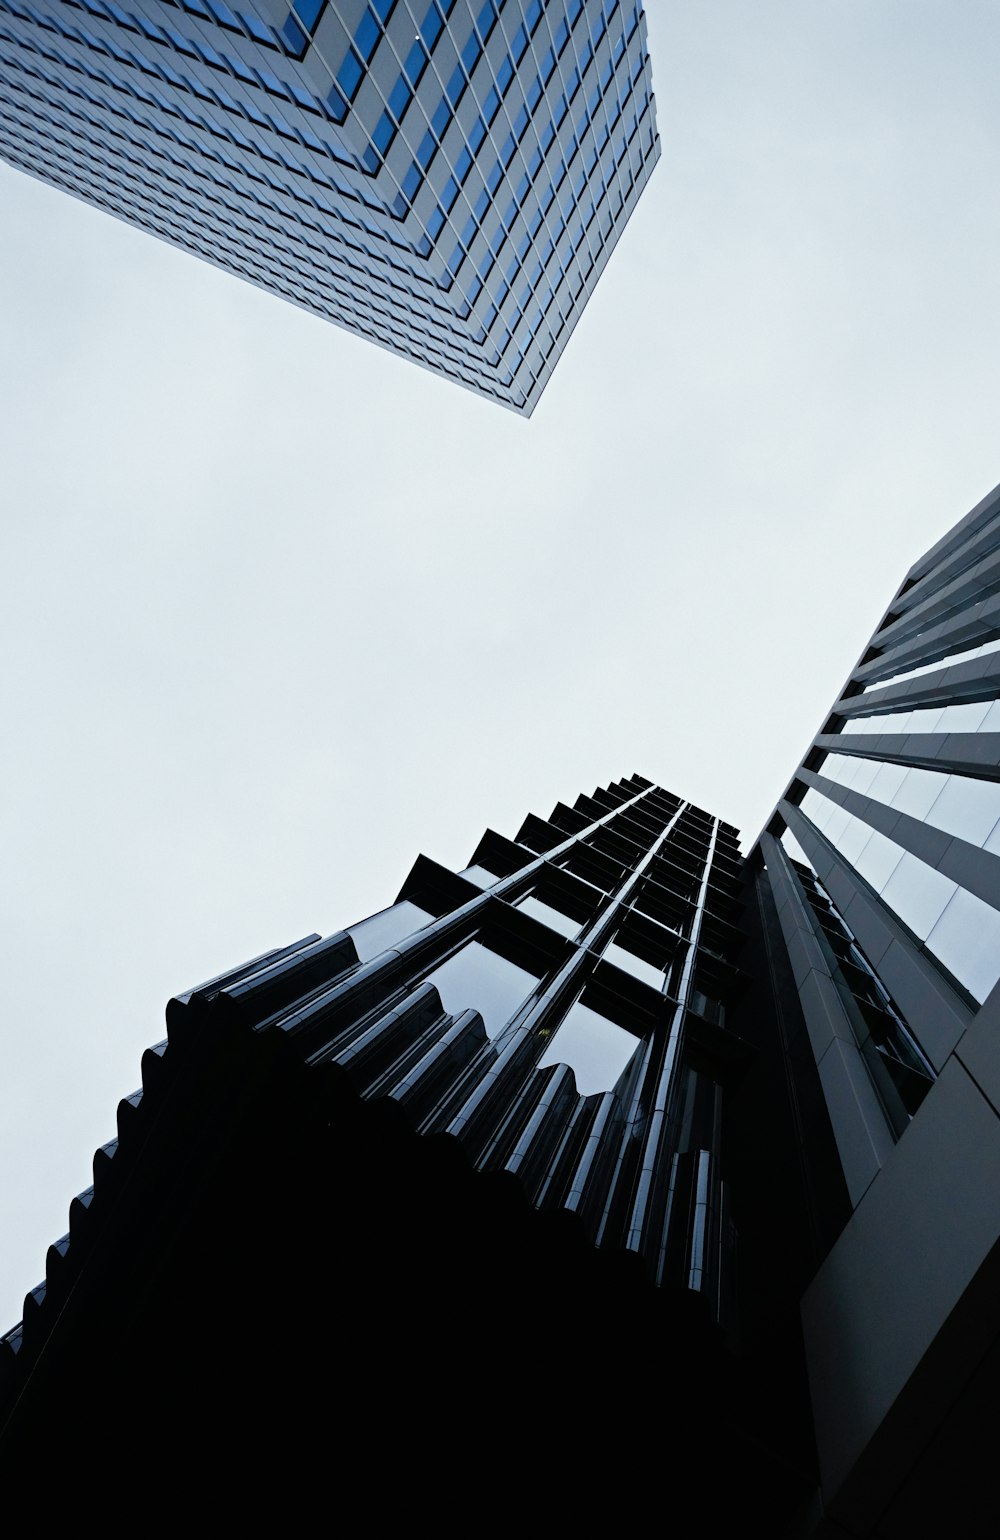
x=493, y=180
x=521, y=122
x=430, y=27
x=534, y=163
x=507, y=148
x=485, y=265
x=411, y=182
x=400, y=97
x=308, y=12
x=519, y=44
x=463, y=164
x=471, y=52
x=435, y=223
x=457, y=258
x=367, y=35
x=533, y=94
x=449, y=192
x=256, y=28
x=490, y=105
x=336, y=103
x=349, y=75
x=505, y=74
x=455, y=86
x=477, y=133
x=415, y=61
x=441, y=118
x=425, y=151
x=484, y=21
x=383, y=8
x=294, y=35
x=223, y=14
x=480, y=206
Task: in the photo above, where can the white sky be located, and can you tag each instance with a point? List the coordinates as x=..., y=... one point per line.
x=281, y=611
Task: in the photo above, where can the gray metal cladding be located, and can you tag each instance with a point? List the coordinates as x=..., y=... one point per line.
x=899, y=823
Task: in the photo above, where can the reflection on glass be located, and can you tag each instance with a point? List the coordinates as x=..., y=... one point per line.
x=475, y=978
x=930, y=668
x=554, y=918
x=960, y=929
x=967, y=940
x=918, y=893
x=480, y=876
x=637, y=966
x=980, y=716
x=794, y=849
x=595, y=1049
x=957, y=804
x=384, y=929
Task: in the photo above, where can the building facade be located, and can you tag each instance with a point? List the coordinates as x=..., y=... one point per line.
x=614, y=1155
x=443, y=177
x=510, y=1097
x=879, y=886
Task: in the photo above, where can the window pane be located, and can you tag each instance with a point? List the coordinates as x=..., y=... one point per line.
x=967, y=940
x=637, y=966
x=382, y=930
x=967, y=807
x=477, y=979
x=595, y=1049
x=549, y=916
x=480, y=876
x=918, y=893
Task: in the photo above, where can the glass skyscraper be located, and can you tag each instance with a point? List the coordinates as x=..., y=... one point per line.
x=443, y=177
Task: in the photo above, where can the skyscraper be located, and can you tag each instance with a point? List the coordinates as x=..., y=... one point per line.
x=444, y=177
x=612, y=1153
x=879, y=887
x=482, y=1133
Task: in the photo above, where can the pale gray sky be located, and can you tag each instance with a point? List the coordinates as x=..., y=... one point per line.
x=281, y=611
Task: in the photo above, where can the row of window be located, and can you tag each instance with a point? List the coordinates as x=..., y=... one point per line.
x=229, y=250
x=241, y=168
x=899, y=1070
x=260, y=78
x=982, y=716
x=947, y=661
x=958, y=929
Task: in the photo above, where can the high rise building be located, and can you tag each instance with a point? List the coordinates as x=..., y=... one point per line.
x=445, y=177
x=879, y=890
x=477, y=1139
x=612, y=1154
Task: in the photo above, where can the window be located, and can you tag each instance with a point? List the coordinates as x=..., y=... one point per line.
x=479, y=979
x=596, y=1050
x=381, y=931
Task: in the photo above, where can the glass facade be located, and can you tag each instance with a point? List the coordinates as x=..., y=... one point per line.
x=891, y=826
x=447, y=179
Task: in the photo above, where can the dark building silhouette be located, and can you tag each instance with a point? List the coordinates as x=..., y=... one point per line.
x=613, y=1169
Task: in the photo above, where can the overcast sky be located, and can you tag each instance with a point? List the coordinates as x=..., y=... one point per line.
x=281, y=611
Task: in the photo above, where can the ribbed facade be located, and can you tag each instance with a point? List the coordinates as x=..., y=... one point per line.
x=443, y=177
x=880, y=872
x=681, y=1163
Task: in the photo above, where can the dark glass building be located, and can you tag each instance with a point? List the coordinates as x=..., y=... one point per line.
x=445, y=177
x=612, y=1168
